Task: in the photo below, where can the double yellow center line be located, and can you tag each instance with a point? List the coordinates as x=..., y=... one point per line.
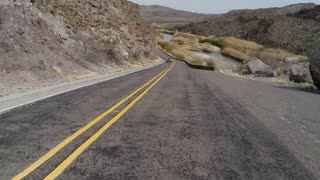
x=94, y=137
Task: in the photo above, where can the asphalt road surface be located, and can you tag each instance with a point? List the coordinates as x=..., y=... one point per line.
x=182, y=125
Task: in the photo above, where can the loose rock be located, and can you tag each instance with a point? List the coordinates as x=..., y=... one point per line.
x=259, y=68
x=300, y=73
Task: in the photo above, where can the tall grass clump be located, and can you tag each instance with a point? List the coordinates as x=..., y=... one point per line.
x=184, y=54
x=277, y=54
x=238, y=55
x=166, y=46
x=241, y=44
x=215, y=42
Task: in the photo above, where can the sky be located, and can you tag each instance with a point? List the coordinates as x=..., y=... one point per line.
x=220, y=6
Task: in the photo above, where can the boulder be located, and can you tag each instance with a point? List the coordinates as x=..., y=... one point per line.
x=315, y=70
x=243, y=69
x=259, y=68
x=300, y=73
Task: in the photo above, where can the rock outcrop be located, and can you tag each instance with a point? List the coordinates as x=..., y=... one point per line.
x=300, y=73
x=259, y=68
x=315, y=70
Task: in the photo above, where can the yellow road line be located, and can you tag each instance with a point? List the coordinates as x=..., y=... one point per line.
x=54, y=174
x=56, y=149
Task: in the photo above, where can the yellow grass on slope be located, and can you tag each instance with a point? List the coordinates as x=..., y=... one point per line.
x=244, y=58
x=191, y=42
x=241, y=44
x=186, y=35
x=185, y=54
x=277, y=54
x=245, y=50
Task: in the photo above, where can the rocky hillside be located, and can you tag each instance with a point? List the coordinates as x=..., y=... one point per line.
x=272, y=11
x=53, y=41
x=312, y=13
x=162, y=14
x=297, y=34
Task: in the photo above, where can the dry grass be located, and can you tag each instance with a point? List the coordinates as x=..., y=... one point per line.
x=183, y=38
x=186, y=35
x=247, y=50
x=218, y=42
x=57, y=70
x=184, y=54
x=209, y=48
x=239, y=49
x=166, y=31
x=241, y=44
x=159, y=39
x=167, y=46
x=277, y=54
x=191, y=42
x=244, y=58
x=87, y=76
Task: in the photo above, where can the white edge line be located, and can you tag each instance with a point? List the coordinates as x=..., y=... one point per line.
x=62, y=92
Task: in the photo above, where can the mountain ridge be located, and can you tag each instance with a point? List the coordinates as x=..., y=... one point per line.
x=264, y=26
x=163, y=14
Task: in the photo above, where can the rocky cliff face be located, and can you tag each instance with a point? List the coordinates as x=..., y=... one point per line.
x=297, y=34
x=46, y=42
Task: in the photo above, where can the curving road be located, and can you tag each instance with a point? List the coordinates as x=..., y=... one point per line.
x=186, y=124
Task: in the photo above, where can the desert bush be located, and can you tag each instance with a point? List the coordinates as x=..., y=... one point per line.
x=136, y=56
x=57, y=70
x=242, y=57
x=107, y=42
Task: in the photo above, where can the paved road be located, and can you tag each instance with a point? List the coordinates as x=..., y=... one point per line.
x=185, y=127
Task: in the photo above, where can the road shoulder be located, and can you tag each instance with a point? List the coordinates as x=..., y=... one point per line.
x=18, y=100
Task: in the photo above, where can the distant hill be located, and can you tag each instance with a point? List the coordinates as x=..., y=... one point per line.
x=162, y=14
x=312, y=13
x=272, y=11
x=292, y=27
